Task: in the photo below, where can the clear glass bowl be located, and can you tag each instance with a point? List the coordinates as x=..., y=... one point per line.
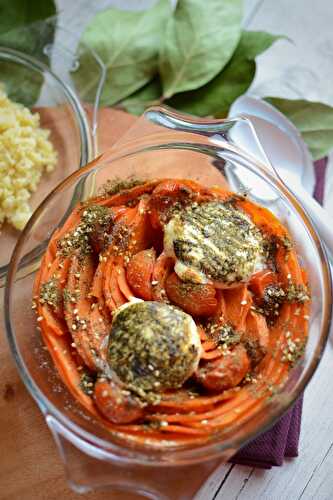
x=60, y=112
x=204, y=151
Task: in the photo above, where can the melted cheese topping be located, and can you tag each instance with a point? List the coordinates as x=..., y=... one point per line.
x=213, y=242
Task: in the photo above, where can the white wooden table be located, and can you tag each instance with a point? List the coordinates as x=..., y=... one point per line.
x=303, y=69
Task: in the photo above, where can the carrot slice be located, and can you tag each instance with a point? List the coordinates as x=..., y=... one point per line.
x=208, y=345
x=99, y=328
x=117, y=296
x=288, y=267
x=211, y=354
x=221, y=193
x=112, y=293
x=53, y=243
x=180, y=401
x=52, y=315
x=140, y=229
x=237, y=304
x=60, y=351
x=78, y=307
x=182, y=430
x=256, y=336
x=162, y=269
x=260, y=281
x=97, y=285
x=256, y=329
x=106, y=284
x=202, y=333
x=51, y=321
x=262, y=218
x=122, y=283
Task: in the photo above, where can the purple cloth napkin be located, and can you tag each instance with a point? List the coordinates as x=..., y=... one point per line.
x=281, y=441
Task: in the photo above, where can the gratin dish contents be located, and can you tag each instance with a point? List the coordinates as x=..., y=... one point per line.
x=171, y=310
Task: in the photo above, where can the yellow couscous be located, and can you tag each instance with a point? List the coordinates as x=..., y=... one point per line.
x=25, y=153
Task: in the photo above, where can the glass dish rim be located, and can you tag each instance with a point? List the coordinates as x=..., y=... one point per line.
x=86, y=146
x=145, y=455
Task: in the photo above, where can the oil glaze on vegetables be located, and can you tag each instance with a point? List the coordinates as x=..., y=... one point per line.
x=172, y=310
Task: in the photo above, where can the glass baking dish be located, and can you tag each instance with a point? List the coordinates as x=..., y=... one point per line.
x=161, y=144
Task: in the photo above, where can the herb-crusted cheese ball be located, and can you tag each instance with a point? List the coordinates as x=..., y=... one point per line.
x=213, y=242
x=153, y=347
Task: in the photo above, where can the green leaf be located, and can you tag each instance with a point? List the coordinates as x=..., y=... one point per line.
x=16, y=14
x=28, y=27
x=314, y=120
x=128, y=43
x=216, y=97
x=200, y=39
x=143, y=98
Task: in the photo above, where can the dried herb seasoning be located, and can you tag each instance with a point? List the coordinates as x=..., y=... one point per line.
x=297, y=293
x=293, y=352
x=115, y=186
x=276, y=295
x=78, y=240
x=224, y=335
x=87, y=382
x=50, y=293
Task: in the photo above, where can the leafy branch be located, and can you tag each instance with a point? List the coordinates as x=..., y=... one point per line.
x=196, y=59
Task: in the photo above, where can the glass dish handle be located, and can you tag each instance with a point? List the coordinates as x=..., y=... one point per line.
x=238, y=131
x=89, y=468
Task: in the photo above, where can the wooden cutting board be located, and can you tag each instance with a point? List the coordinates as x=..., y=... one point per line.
x=30, y=467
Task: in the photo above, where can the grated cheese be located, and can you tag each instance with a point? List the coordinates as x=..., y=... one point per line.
x=25, y=153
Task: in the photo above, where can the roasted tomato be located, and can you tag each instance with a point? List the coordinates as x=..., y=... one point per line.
x=195, y=299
